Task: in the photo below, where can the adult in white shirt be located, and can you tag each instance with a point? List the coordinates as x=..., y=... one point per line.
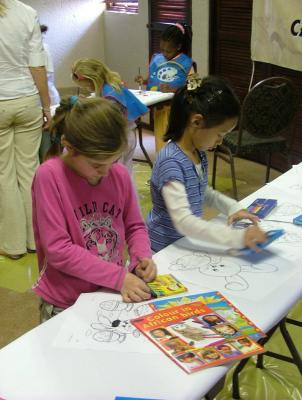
x=53, y=93
x=24, y=108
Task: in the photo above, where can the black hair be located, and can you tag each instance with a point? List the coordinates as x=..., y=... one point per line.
x=213, y=98
x=179, y=35
x=44, y=28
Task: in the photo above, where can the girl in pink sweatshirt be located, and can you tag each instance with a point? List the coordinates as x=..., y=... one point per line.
x=85, y=210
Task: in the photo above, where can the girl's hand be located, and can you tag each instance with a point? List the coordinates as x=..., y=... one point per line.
x=253, y=235
x=139, y=79
x=146, y=269
x=243, y=214
x=134, y=289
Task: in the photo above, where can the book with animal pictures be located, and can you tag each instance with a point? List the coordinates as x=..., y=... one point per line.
x=195, y=337
x=218, y=303
x=166, y=285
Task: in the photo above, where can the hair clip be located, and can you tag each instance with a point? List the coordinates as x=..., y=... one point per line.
x=193, y=82
x=214, y=95
x=73, y=100
x=179, y=26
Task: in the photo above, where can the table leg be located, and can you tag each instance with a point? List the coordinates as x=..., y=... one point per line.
x=141, y=144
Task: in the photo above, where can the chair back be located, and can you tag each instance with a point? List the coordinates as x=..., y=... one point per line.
x=269, y=108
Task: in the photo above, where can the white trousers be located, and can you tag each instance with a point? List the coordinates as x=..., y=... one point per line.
x=20, y=137
x=127, y=157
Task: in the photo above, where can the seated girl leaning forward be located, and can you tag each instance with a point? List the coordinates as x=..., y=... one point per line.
x=85, y=210
x=202, y=113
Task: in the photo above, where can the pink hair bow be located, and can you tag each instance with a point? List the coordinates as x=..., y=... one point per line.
x=179, y=26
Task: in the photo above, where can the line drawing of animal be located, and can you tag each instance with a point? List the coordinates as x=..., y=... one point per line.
x=220, y=267
x=113, y=323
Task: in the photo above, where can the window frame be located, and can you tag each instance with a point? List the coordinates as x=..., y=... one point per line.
x=122, y=6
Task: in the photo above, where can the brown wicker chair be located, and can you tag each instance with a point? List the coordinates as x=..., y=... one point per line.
x=268, y=110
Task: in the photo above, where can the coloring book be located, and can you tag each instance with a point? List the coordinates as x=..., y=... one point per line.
x=218, y=303
x=195, y=337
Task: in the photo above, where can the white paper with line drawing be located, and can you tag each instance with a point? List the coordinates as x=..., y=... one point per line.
x=288, y=205
x=244, y=277
x=100, y=321
x=288, y=245
x=291, y=182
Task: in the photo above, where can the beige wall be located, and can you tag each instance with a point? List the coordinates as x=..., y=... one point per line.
x=81, y=28
x=200, y=44
x=76, y=29
x=126, y=40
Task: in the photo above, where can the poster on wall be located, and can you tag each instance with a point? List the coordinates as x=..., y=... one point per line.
x=277, y=33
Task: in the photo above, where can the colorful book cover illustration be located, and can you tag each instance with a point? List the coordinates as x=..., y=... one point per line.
x=166, y=285
x=195, y=337
x=218, y=303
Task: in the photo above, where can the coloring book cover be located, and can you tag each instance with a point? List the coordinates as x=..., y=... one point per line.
x=217, y=302
x=195, y=337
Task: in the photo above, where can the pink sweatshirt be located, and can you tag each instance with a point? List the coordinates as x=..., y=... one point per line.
x=80, y=231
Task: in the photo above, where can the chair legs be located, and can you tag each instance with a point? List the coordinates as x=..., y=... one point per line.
x=214, y=168
x=268, y=167
x=233, y=178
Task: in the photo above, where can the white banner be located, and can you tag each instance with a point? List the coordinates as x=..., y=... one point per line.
x=277, y=32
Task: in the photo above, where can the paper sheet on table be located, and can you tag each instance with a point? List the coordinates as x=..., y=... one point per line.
x=289, y=245
x=150, y=97
x=288, y=205
x=291, y=182
x=100, y=321
x=252, y=277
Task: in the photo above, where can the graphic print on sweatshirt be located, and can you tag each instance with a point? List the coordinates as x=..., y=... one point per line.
x=100, y=237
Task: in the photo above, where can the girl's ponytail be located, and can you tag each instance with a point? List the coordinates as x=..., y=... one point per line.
x=94, y=127
x=57, y=127
x=187, y=39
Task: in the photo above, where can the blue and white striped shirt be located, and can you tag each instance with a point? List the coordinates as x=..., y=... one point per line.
x=172, y=164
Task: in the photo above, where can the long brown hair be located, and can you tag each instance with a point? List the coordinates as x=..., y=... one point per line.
x=95, y=127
